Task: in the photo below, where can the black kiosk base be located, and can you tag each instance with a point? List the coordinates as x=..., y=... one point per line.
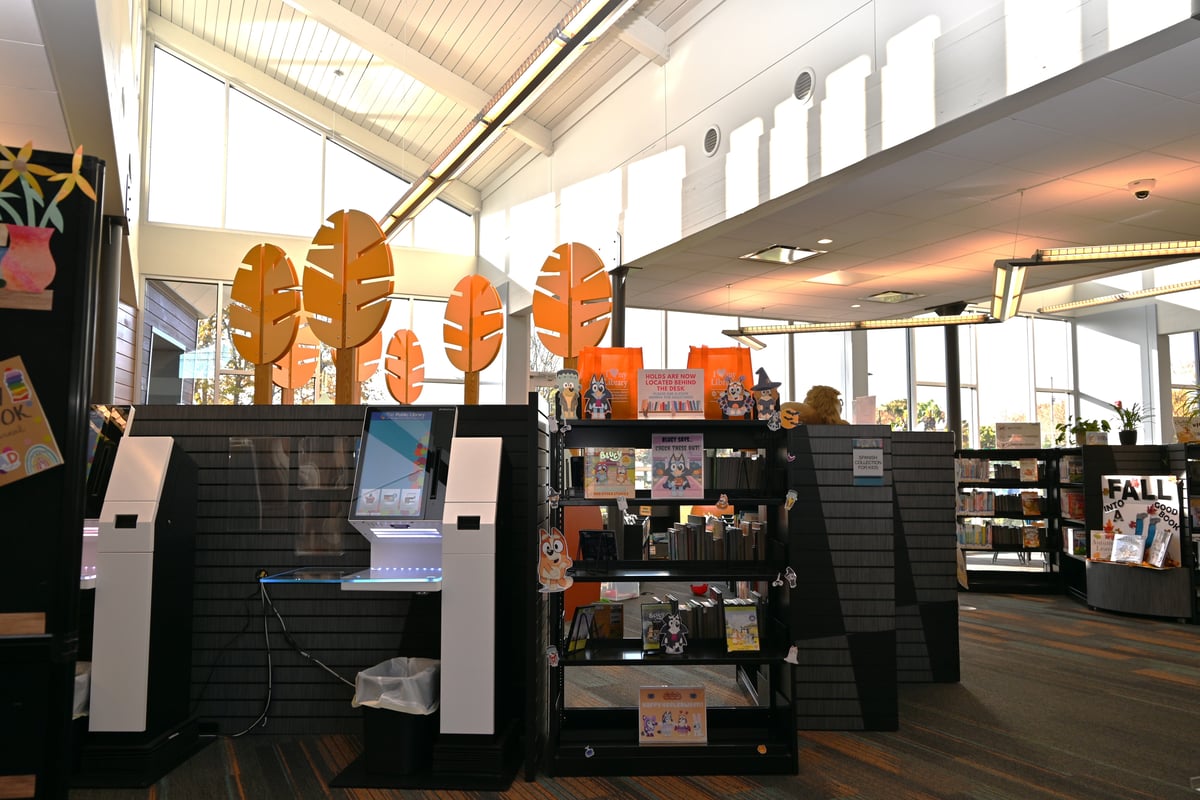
x=405, y=751
x=121, y=760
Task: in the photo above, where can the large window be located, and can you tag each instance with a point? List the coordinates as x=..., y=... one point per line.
x=219, y=158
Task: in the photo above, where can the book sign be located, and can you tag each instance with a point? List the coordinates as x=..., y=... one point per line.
x=1141, y=513
x=867, y=457
x=27, y=444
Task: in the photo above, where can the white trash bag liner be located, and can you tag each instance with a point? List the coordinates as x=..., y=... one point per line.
x=402, y=684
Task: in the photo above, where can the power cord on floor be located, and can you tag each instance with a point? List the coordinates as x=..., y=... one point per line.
x=268, y=603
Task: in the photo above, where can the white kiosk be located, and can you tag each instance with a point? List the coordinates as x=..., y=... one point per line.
x=426, y=501
x=139, y=722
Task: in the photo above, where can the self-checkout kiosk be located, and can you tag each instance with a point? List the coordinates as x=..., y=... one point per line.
x=426, y=501
x=139, y=724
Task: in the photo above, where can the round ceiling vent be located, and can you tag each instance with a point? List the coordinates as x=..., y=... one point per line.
x=803, y=88
x=712, y=140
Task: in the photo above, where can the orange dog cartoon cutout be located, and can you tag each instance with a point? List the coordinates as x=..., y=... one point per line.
x=553, y=561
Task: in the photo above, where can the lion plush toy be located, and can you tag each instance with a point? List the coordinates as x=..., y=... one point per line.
x=822, y=406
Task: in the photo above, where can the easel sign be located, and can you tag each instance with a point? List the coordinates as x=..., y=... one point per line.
x=671, y=393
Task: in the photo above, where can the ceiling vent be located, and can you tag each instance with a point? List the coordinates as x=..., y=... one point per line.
x=712, y=140
x=803, y=88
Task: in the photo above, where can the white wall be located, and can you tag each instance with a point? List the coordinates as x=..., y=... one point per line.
x=735, y=69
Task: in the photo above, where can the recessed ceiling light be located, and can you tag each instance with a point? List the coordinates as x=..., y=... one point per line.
x=892, y=297
x=825, y=241
x=856, y=305
x=782, y=254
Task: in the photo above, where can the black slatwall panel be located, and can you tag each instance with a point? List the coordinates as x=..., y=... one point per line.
x=843, y=609
x=926, y=583
x=271, y=507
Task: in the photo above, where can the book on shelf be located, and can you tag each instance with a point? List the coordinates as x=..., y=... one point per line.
x=1071, y=504
x=1031, y=537
x=597, y=545
x=653, y=615
x=608, y=620
x=658, y=545
x=1156, y=551
x=741, y=626
x=1102, y=546
x=1031, y=504
x=678, y=466
x=609, y=472
x=581, y=629
x=1070, y=469
x=674, y=715
x=1029, y=470
x=1128, y=548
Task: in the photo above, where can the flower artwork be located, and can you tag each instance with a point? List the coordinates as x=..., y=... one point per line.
x=29, y=221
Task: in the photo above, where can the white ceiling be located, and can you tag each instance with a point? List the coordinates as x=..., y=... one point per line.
x=1045, y=168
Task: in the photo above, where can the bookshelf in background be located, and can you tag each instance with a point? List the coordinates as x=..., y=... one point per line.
x=1009, y=518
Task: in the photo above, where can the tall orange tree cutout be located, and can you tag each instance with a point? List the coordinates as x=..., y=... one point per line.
x=404, y=367
x=346, y=286
x=264, y=312
x=298, y=365
x=473, y=330
x=572, y=302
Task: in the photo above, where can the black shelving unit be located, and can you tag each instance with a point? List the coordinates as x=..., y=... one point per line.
x=758, y=738
x=1023, y=576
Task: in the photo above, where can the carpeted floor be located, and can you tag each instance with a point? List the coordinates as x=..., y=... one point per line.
x=1056, y=701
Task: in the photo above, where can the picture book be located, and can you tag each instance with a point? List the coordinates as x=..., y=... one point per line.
x=678, y=466
x=1102, y=546
x=653, y=614
x=1072, y=505
x=1128, y=548
x=1031, y=537
x=1031, y=504
x=608, y=472
x=1156, y=551
x=741, y=628
x=675, y=715
x=1029, y=470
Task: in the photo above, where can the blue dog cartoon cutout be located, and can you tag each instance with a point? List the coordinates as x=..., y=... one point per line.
x=677, y=474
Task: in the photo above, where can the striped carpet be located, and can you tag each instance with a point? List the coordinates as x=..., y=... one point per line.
x=1056, y=701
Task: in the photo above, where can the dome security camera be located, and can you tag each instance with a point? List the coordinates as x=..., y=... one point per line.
x=1141, y=188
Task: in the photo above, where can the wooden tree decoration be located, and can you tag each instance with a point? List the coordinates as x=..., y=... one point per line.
x=572, y=303
x=264, y=312
x=367, y=357
x=299, y=364
x=404, y=367
x=346, y=287
x=473, y=330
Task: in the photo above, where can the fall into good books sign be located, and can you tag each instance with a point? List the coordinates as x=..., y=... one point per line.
x=1142, y=514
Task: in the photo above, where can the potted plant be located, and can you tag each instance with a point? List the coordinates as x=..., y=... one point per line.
x=1083, y=431
x=1130, y=417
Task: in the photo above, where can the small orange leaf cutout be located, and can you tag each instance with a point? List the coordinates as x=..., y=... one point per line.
x=404, y=367
x=572, y=302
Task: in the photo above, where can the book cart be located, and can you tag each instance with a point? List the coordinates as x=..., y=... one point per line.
x=759, y=738
x=1011, y=520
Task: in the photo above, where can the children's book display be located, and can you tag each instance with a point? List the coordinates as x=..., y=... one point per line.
x=654, y=615
x=609, y=472
x=675, y=715
x=678, y=460
x=741, y=626
x=1141, y=517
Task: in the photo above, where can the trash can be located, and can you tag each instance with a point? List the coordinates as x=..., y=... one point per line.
x=399, y=699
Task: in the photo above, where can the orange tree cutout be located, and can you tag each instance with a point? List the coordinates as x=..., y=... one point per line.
x=264, y=312
x=572, y=302
x=473, y=329
x=404, y=367
x=346, y=285
x=298, y=365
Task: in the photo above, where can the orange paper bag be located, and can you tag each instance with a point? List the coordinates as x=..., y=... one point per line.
x=727, y=381
x=608, y=381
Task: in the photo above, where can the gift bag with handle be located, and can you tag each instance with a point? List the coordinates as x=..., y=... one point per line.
x=608, y=381
x=728, y=379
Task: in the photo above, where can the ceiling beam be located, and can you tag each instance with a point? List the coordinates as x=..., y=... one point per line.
x=409, y=61
x=241, y=73
x=648, y=39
